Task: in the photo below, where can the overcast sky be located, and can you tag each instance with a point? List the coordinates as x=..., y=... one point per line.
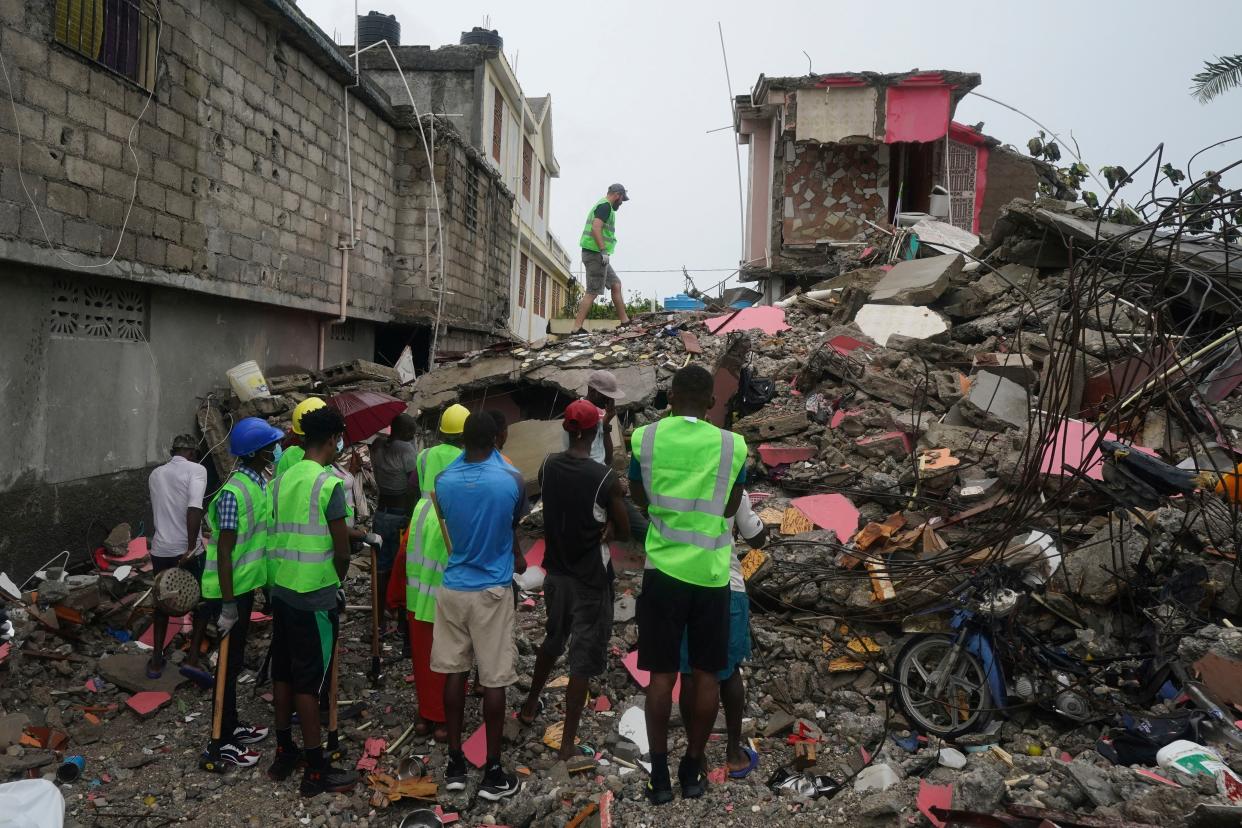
x=636, y=86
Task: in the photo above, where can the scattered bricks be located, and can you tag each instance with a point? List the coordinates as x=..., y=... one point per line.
x=359, y=369
x=890, y=444
x=948, y=386
x=996, y=403
x=804, y=755
x=1013, y=367
x=917, y=282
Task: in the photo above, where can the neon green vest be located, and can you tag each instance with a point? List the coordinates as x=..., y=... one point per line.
x=289, y=458
x=688, y=469
x=254, y=511
x=608, y=231
x=299, y=548
x=425, y=552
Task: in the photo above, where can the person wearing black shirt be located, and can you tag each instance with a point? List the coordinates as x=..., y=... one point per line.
x=580, y=498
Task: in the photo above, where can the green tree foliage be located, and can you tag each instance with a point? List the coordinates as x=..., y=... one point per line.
x=1217, y=77
x=635, y=303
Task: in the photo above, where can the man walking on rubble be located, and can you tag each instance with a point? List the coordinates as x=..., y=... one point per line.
x=689, y=475
x=580, y=498
x=480, y=499
x=599, y=239
x=308, y=550
x=236, y=565
x=177, y=489
x=740, y=758
x=425, y=559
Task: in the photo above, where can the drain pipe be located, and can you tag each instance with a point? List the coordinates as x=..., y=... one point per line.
x=342, y=317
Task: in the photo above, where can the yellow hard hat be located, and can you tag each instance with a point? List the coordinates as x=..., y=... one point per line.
x=305, y=407
x=453, y=420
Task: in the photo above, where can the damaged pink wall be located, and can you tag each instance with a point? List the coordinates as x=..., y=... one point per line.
x=759, y=197
x=830, y=188
x=916, y=113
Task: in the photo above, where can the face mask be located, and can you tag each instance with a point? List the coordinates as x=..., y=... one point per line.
x=340, y=444
x=276, y=452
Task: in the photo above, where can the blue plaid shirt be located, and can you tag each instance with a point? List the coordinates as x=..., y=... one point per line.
x=226, y=503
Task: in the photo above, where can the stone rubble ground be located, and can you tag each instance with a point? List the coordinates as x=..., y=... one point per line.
x=922, y=445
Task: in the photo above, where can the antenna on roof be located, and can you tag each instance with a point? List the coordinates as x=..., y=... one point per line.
x=809, y=70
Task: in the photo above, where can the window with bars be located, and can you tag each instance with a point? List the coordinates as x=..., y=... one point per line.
x=528, y=157
x=543, y=186
x=522, y=263
x=98, y=311
x=471, y=200
x=556, y=299
x=543, y=292
x=498, y=124
x=119, y=35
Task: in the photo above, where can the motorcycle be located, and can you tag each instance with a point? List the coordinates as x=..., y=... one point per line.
x=971, y=658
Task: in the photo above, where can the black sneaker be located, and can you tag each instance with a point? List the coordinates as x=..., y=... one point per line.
x=498, y=785
x=455, y=773
x=327, y=780
x=693, y=785
x=659, y=796
x=284, y=764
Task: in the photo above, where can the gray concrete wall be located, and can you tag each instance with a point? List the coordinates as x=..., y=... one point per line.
x=84, y=417
x=442, y=93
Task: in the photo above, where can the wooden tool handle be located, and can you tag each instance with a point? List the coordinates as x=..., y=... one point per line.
x=217, y=709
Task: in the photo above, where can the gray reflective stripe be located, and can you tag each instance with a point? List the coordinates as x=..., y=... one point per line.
x=314, y=527
x=253, y=556
x=300, y=556
x=721, y=541
x=422, y=465
x=720, y=495
x=253, y=526
x=421, y=587
x=315, y=515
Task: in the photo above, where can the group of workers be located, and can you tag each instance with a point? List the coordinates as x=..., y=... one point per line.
x=447, y=520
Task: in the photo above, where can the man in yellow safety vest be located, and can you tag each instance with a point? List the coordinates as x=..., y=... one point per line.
x=308, y=551
x=688, y=474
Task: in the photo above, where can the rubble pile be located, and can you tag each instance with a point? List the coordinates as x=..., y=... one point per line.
x=1022, y=440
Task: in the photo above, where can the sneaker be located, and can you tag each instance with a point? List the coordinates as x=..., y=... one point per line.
x=247, y=735
x=239, y=756
x=659, y=796
x=455, y=773
x=284, y=764
x=693, y=787
x=327, y=780
x=498, y=785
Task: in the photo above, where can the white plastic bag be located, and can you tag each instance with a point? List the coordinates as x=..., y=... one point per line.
x=31, y=803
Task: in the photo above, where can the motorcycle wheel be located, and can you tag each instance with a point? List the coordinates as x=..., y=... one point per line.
x=964, y=705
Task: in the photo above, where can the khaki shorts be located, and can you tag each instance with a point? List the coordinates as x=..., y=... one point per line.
x=598, y=274
x=476, y=625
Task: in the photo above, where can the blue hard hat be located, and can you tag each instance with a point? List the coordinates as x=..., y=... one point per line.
x=251, y=435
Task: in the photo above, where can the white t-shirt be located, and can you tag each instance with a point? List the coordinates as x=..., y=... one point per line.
x=176, y=486
x=748, y=525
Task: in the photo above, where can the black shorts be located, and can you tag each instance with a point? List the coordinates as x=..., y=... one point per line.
x=302, y=642
x=669, y=609
x=582, y=617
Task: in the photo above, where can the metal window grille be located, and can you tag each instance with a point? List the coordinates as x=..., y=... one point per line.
x=962, y=185
x=119, y=35
x=98, y=311
x=498, y=124
x=528, y=155
x=344, y=332
x=472, y=200
x=543, y=186
x=556, y=297
x=522, y=263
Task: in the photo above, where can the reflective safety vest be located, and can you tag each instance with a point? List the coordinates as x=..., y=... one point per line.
x=299, y=548
x=289, y=458
x=688, y=470
x=426, y=555
x=608, y=231
x=254, y=511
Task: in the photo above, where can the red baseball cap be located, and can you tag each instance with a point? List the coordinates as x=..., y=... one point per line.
x=581, y=415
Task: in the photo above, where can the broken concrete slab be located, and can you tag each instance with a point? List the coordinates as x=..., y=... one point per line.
x=148, y=702
x=637, y=381
x=1013, y=367
x=995, y=402
x=530, y=441
x=882, y=321
x=444, y=386
x=1097, y=570
x=11, y=727
x=129, y=672
x=917, y=282
x=770, y=427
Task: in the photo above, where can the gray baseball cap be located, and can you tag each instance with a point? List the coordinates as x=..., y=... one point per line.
x=618, y=188
x=605, y=382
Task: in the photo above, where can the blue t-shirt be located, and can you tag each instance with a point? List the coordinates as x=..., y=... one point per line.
x=481, y=503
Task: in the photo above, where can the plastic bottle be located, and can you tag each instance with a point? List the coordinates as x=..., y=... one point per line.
x=1197, y=760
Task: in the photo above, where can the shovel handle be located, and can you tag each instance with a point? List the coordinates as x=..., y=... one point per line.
x=217, y=708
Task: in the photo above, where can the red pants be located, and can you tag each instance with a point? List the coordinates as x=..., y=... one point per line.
x=428, y=683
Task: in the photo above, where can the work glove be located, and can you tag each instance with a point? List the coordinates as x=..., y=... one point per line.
x=372, y=539
x=605, y=257
x=340, y=600
x=228, y=617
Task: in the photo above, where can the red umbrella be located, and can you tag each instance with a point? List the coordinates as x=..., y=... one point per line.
x=366, y=413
